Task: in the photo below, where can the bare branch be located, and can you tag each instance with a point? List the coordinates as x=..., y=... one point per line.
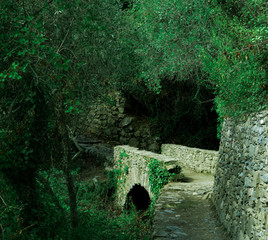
x=255, y=45
x=65, y=36
x=3, y=200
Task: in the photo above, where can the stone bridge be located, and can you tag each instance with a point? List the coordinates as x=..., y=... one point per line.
x=133, y=174
x=240, y=192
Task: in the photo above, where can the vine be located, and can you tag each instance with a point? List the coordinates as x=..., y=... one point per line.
x=158, y=177
x=116, y=176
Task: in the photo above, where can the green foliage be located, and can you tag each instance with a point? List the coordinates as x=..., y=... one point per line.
x=95, y=209
x=98, y=225
x=165, y=37
x=220, y=44
x=158, y=175
x=123, y=155
x=126, y=170
x=10, y=210
x=96, y=215
x=236, y=65
x=167, y=33
x=49, y=55
x=118, y=175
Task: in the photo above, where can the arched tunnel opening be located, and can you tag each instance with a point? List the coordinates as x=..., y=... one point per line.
x=139, y=197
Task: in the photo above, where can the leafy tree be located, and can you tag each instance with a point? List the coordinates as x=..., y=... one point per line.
x=185, y=45
x=55, y=58
x=237, y=62
x=166, y=36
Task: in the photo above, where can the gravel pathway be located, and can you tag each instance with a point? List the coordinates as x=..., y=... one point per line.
x=184, y=211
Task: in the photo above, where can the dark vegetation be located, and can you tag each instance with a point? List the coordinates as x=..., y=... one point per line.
x=173, y=58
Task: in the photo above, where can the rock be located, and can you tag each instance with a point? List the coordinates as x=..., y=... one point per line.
x=87, y=140
x=123, y=140
x=107, y=132
x=137, y=134
x=160, y=233
x=121, y=115
x=114, y=130
x=133, y=142
x=93, y=130
x=143, y=145
x=207, y=196
x=154, y=147
x=121, y=109
x=264, y=177
x=126, y=121
x=111, y=121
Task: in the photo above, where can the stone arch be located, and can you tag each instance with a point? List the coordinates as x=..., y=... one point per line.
x=134, y=171
x=139, y=197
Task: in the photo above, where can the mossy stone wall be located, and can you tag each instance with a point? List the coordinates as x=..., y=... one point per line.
x=241, y=179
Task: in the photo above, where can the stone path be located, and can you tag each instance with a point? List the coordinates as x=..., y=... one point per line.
x=184, y=211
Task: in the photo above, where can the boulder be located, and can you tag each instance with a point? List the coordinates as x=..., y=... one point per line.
x=133, y=142
x=126, y=121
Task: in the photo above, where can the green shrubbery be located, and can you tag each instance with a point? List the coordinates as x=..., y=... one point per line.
x=98, y=219
x=237, y=62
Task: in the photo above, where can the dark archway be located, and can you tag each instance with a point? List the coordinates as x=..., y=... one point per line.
x=139, y=197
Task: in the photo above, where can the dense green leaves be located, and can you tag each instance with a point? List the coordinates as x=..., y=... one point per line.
x=168, y=33
x=54, y=60
x=219, y=44
x=237, y=65
x=158, y=175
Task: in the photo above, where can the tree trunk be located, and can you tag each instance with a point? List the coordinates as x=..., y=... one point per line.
x=72, y=199
x=69, y=180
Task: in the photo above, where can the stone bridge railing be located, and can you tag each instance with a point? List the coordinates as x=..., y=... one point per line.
x=198, y=160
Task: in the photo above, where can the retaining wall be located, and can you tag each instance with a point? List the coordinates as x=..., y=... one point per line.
x=198, y=160
x=109, y=118
x=241, y=179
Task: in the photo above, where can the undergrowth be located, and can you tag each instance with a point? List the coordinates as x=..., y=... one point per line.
x=98, y=219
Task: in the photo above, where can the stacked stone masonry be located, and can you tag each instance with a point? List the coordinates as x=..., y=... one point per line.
x=241, y=179
x=198, y=160
x=108, y=118
x=134, y=169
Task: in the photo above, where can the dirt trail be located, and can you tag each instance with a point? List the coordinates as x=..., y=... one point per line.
x=184, y=211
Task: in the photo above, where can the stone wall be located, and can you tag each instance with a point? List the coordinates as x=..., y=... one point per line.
x=198, y=160
x=108, y=118
x=241, y=178
x=133, y=166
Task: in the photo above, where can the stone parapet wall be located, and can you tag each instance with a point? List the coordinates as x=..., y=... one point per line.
x=133, y=166
x=198, y=160
x=108, y=118
x=241, y=179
